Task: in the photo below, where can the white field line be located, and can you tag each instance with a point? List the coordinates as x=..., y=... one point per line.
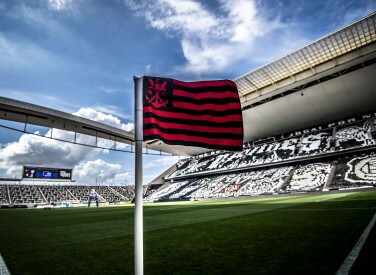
x=351, y=258
x=3, y=267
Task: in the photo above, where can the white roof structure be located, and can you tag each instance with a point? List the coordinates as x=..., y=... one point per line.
x=307, y=59
x=335, y=75
x=27, y=113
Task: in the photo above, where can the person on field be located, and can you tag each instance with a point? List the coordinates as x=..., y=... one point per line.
x=93, y=196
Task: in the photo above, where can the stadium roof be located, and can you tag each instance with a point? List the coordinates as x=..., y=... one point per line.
x=327, y=49
x=329, y=79
x=333, y=79
x=27, y=113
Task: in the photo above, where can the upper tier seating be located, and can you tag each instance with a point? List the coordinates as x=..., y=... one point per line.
x=354, y=135
x=265, y=153
x=315, y=143
x=346, y=136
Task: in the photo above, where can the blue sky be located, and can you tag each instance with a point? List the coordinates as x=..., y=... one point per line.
x=79, y=56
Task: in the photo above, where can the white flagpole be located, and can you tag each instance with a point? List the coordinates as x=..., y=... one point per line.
x=138, y=212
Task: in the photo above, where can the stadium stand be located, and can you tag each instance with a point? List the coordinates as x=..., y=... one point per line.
x=310, y=177
x=80, y=193
x=125, y=191
x=246, y=173
x=316, y=143
x=263, y=182
x=356, y=172
x=265, y=153
x=339, y=157
x=109, y=195
x=26, y=194
x=4, y=194
x=56, y=193
x=354, y=135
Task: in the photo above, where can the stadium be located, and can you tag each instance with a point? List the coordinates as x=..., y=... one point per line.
x=297, y=199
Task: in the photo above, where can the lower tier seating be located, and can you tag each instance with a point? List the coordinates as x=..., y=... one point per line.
x=23, y=194
x=350, y=172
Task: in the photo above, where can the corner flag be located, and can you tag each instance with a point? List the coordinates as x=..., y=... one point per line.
x=204, y=114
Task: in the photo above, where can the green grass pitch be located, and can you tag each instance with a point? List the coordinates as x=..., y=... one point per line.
x=281, y=235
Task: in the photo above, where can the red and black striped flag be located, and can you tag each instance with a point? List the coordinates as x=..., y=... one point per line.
x=203, y=114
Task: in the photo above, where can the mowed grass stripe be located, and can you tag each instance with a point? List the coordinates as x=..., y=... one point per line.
x=212, y=233
x=100, y=226
x=265, y=242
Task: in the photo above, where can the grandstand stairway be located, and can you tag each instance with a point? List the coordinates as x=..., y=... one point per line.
x=286, y=181
x=117, y=193
x=41, y=194
x=371, y=123
x=9, y=197
x=70, y=193
x=331, y=176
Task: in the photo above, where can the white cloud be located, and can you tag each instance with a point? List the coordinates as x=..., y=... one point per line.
x=38, y=97
x=147, y=69
x=167, y=162
x=108, y=90
x=243, y=22
x=185, y=17
x=113, y=110
x=61, y=4
x=101, y=117
x=97, y=171
x=40, y=151
x=108, y=119
x=210, y=42
x=21, y=55
x=126, y=178
x=357, y=13
x=121, y=176
x=155, y=165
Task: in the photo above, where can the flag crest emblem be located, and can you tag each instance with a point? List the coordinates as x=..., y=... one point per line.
x=156, y=94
